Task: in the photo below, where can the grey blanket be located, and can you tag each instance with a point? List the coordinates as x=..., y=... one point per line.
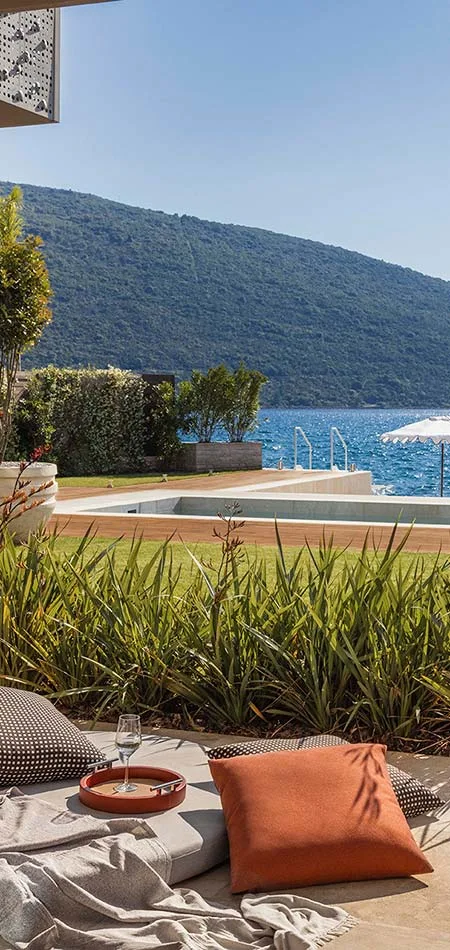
x=77, y=883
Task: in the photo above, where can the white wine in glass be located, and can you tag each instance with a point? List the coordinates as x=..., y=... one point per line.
x=128, y=739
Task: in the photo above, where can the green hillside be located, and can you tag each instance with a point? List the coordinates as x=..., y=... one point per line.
x=147, y=290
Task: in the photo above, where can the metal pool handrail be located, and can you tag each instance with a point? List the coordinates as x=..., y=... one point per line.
x=335, y=431
x=308, y=443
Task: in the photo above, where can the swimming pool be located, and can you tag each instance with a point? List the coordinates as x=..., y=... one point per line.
x=370, y=509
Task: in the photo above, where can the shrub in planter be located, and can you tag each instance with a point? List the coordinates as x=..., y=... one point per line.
x=229, y=400
x=243, y=394
x=220, y=398
x=25, y=294
x=203, y=401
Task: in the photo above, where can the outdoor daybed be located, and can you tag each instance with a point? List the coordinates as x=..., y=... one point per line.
x=412, y=913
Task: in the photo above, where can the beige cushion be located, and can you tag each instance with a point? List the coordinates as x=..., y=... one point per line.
x=194, y=832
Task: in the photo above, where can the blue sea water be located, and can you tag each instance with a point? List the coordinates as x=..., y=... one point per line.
x=411, y=469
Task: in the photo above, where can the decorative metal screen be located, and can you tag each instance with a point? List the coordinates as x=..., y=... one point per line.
x=29, y=64
x=10, y=6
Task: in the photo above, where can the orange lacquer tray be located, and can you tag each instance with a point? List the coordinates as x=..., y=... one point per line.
x=97, y=790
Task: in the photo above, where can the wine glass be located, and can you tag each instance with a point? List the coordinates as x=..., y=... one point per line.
x=128, y=739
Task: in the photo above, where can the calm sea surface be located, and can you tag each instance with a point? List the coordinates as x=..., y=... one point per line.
x=398, y=469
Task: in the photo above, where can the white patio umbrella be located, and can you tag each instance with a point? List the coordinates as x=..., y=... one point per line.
x=435, y=429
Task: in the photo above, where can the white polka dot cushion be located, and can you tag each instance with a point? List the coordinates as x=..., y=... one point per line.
x=413, y=797
x=38, y=743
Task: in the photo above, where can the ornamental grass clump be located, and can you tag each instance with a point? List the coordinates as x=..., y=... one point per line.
x=359, y=646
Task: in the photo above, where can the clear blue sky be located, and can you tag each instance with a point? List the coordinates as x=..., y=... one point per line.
x=327, y=119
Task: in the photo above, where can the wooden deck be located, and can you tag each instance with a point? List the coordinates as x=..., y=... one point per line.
x=420, y=538
x=253, y=532
x=193, y=483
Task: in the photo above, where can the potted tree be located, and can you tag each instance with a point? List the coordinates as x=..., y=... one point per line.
x=241, y=415
x=25, y=294
x=220, y=399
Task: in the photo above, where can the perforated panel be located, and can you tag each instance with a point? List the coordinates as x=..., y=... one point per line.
x=10, y=6
x=29, y=63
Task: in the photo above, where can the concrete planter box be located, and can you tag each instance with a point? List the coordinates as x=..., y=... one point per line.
x=34, y=517
x=220, y=456
x=152, y=463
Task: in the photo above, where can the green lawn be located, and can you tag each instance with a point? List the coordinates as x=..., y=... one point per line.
x=209, y=554
x=119, y=481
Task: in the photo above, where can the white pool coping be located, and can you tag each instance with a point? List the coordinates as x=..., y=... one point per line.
x=97, y=506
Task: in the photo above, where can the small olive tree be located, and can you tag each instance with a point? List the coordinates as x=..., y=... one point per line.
x=203, y=401
x=25, y=293
x=220, y=398
x=241, y=414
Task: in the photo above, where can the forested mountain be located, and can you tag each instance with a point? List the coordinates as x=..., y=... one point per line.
x=147, y=290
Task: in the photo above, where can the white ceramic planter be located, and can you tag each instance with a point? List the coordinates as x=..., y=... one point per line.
x=36, y=474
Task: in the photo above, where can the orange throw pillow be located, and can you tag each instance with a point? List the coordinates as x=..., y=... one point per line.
x=324, y=816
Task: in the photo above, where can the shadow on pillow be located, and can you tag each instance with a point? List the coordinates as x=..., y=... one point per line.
x=326, y=816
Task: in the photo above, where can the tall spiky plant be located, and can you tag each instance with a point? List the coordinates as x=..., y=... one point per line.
x=25, y=294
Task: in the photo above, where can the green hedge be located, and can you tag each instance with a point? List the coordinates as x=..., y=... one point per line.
x=106, y=421
x=95, y=420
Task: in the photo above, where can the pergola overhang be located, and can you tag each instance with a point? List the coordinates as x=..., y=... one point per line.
x=29, y=61
x=17, y=6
